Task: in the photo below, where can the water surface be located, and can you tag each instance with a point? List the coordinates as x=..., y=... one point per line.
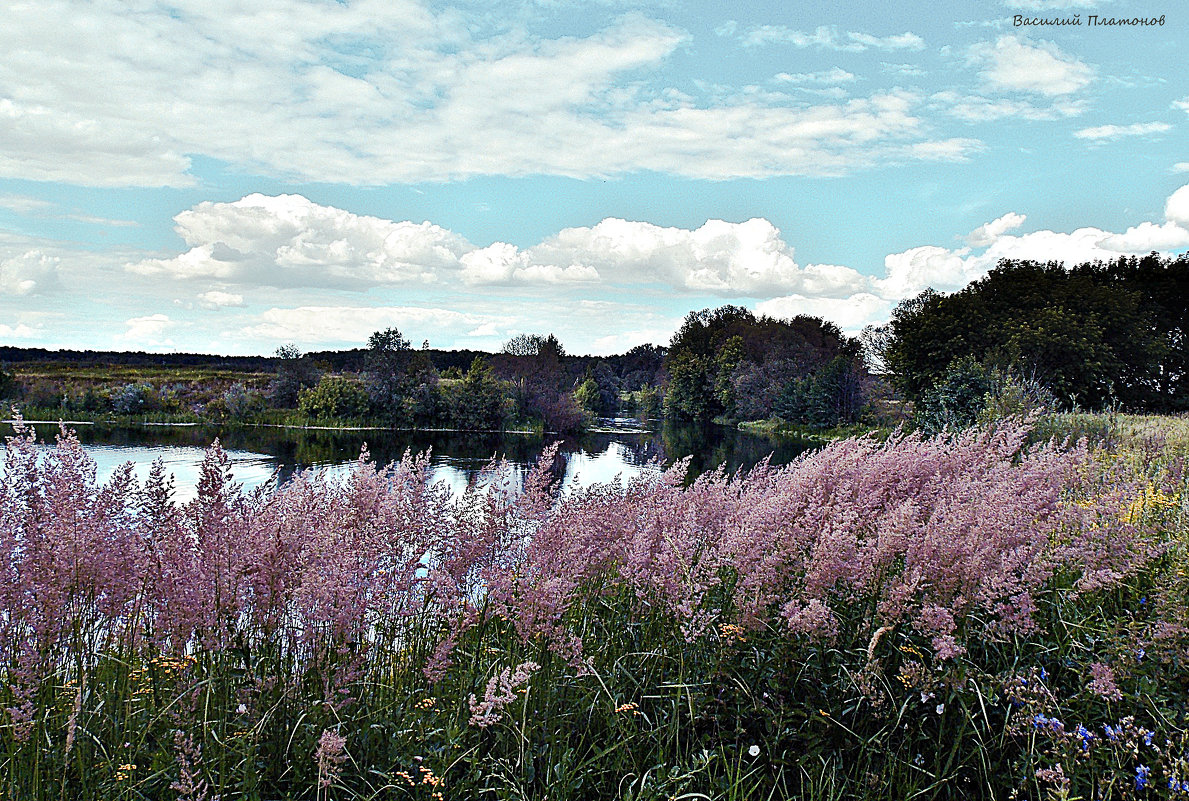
x=258, y=454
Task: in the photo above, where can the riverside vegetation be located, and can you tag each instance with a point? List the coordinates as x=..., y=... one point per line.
x=973, y=615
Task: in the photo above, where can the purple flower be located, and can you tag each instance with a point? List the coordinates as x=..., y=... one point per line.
x=1141, y=776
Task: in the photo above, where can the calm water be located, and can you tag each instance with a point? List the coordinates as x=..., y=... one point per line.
x=257, y=454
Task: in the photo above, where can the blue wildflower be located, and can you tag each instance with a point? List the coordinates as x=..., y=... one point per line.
x=1044, y=675
x=1140, y=654
x=1040, y=720
x=1148, y=737
x=1141, y=776
x=1086, y=736
x=1112, y=733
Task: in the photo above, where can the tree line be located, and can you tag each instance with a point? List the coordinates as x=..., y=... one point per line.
x=1100, y=334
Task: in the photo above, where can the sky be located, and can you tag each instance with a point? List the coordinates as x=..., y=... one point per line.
x=228, y=176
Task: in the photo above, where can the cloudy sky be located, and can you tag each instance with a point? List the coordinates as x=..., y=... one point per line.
x=232, y=175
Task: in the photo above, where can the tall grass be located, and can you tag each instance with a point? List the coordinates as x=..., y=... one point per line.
x=965, y=617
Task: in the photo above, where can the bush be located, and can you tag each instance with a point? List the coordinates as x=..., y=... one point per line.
x=132, y=399
x=333, y=398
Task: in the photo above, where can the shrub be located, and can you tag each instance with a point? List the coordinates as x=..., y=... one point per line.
x=333, y=398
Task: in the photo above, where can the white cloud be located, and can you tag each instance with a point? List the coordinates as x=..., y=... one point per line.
x=1181, y=166
x=386, y=91
x=1011, y=64
x=987, y=233
x=911, y=271
x=850, y=314
x=215, y=299
x=1176, y=209
x=1182, y=104
x=977, y=108
x=834, y=75
x=827, y=37
x=19, y=331
x=147, y=332
x=289, y=241
x=28, y=271
x=23, y=204
x=1111, y=132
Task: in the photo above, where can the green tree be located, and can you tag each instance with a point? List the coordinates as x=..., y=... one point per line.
x=384, y=377
x=333, y=398
x=295, y=372
x=1086, y=340
x=480, y=401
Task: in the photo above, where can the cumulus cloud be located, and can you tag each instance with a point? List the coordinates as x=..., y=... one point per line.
x=289, y=241
x=988, y=232
x=849, y=314
x=147, y=332
x=215, y=299
x=27, y=272
x=1012, y=64
x=375, y=92
x=18, y=331
x=911, y=271
x=1111, y=132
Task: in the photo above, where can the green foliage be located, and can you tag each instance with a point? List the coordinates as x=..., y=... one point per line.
x=333, y=398
x=957, y=400
x=689, y=395
x=480, y=401
x=830, y=397
x=132, y=399
x=1087, y=339
x=295, y=373
x=729, y=363
x=237, y=404
x=8, y=385
x=644, y=402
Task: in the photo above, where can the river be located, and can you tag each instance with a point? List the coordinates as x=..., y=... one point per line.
x=258, y=454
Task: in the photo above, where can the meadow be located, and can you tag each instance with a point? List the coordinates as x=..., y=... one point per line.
x=984, y=614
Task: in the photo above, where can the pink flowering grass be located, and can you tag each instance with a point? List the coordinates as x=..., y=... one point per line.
x=859, y=619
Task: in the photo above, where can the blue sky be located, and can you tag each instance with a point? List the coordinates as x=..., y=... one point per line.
x=218, y=176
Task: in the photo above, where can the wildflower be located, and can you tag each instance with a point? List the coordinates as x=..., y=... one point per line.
x=501, y=691
x=242, y=709
x=330, y=756
x=1103, y=683
x=1148, y=737
x=754, y=751
x=1141, y=776
x=1044, y=675
x=940, y=709
x=1112, y=732
x=1086, y=736
x=1040, y=721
